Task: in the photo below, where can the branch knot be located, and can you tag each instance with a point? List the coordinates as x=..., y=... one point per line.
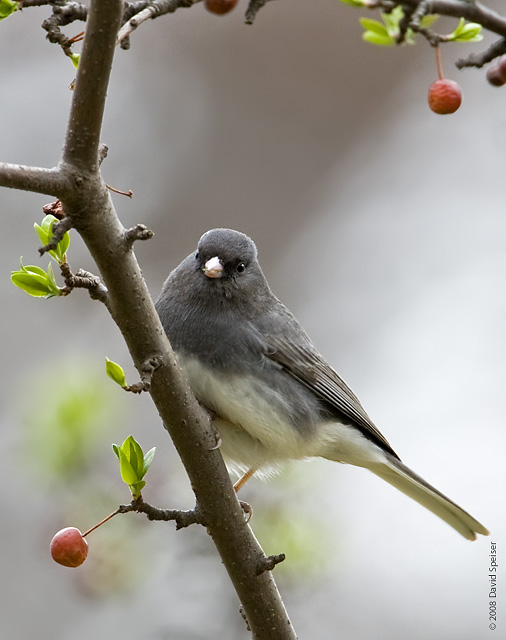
x=267, y=563
x=139, y=232
x=147, y=370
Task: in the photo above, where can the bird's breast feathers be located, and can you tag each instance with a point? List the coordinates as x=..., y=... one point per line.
x=254, y=421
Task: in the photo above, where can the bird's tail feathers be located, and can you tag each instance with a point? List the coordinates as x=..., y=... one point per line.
x=401, y=477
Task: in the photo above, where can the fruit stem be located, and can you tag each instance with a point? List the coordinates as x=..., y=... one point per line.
x=438, y=63
x=101, y=522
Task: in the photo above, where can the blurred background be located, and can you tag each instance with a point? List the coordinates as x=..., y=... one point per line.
x=380, y=224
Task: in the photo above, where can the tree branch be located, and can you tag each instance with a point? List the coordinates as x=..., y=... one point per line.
x=87, y=203
x=76, y=181
x=181, y=518
x=254, y=7
x=496, y=49
x=153, y=10
x=81, y=149
x=470, y=10
x=40, y=180
x=84, y=280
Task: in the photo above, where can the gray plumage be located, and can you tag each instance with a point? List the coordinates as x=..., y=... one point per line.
x=272, y=395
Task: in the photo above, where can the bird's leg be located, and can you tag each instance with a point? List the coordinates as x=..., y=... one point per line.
x=244, y=505
x=244, y=478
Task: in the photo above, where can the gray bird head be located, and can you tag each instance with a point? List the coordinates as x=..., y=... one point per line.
x=227, y=254
x=228, y=267
x=221, y=276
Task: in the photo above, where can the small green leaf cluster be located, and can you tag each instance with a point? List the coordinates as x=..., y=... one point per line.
x=115, y=372
x=7, y=7
x=385, y=33
x=133, y=464
x=34, y=280
x=75, y=57
x=45, y=233
x=465, y=32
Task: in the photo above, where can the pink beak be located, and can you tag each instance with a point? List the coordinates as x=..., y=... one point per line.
x=213, y=268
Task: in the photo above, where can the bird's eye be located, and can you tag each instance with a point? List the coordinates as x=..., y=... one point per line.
x=241, y=267
x=197, y=256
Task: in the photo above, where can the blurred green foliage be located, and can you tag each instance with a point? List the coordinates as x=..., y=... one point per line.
x=69, y=411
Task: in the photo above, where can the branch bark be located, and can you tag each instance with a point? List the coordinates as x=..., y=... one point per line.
x=470, y=10
x=51, y=182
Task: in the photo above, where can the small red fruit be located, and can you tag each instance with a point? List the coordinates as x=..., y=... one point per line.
x=496, y=74
x=445, y=96
x=69, y=548
x=220, y=7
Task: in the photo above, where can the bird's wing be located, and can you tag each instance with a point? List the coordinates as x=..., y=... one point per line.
x=301, y=360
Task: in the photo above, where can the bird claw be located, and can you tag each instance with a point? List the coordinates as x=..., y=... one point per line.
x=218, y=439
x=248, y=510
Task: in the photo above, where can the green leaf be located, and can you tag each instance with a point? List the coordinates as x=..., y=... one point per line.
x=54, y=290
x=42, y=233
x=35, y=281
x=136, y=488
x=45, y=233
x=115, y=372
x=75, y=59
x=148, y=459
x=7, y=7
x=354, y=3
x=136, y=457
x=378, y=39
x=382, y=34
x=466, y=32
x=392, y=20
x=133, y=463
x=32, y=284
x=128, y=475
x=427, y=21
x=61, y=248
x=47, y=223
x=373, y=25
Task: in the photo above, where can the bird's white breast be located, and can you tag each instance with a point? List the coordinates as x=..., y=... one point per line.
x=255, y=431
x=250, y=416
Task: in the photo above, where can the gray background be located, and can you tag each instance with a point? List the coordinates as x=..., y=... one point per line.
x=381, y=225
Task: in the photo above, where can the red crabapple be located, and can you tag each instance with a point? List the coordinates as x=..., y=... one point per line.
x=69, y=548
x=220, y=7
x=445, y=96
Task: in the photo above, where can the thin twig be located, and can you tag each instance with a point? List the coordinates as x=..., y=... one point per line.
x=252, y=10
x=99, y=524
x=478, y=60
x=181, y=518
x=154, y=10
x=84, y=280
x=59, y=229
x=128, y=194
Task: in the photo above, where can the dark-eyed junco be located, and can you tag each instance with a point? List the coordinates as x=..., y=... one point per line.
x=273, y=397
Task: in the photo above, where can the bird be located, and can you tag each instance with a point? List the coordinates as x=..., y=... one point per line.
x=272, y=397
